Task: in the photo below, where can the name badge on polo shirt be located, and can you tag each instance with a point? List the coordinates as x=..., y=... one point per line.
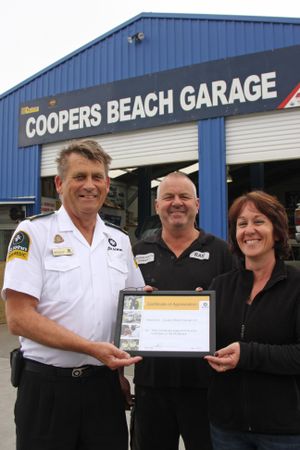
x=199, y=255
x=145, y=259
x=62, y=251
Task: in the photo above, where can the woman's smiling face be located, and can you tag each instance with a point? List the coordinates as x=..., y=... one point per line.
x=254, y=232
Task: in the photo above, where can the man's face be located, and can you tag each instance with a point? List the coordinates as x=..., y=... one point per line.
x=255, y=233
x=83, y=188
x=177, y=205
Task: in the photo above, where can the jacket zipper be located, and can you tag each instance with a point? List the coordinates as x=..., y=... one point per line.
x=243, y=331
x=243, y=327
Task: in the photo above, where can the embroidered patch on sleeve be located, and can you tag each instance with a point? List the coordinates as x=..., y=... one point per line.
x=19, y=246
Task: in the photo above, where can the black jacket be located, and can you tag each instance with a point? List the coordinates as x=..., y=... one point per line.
x=204, y=259
x=263, y=393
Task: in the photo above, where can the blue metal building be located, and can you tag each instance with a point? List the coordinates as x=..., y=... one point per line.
x=166, y=42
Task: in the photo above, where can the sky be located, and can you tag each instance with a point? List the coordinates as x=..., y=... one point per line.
x=36, y=33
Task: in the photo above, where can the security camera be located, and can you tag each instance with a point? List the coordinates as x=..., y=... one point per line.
x=137, y=37
x=140, y=36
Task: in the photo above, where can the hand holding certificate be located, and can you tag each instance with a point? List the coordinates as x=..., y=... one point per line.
x=166, y=323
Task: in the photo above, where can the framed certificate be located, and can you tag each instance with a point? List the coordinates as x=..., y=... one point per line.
x=166, y=323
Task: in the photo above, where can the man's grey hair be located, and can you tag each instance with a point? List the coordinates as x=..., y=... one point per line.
x=179, y=175
x=87, y=148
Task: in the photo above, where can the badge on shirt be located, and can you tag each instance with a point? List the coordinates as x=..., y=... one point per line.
x=145, y=259
x=58, y=239
x=19, y=246
x=199, y=255
x=112, y=242
x=113, y=245
x=62, y=251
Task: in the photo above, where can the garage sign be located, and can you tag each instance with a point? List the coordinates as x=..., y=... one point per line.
x=241, y=85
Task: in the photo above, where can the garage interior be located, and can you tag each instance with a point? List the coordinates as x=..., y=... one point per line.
x=135, y=212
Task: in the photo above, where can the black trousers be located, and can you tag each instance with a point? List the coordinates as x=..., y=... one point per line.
x=65, y=413
x=163, y=414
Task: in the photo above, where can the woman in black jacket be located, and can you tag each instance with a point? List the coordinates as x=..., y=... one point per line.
x=254, y=398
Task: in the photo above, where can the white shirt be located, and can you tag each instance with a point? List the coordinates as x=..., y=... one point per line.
x=76, y=284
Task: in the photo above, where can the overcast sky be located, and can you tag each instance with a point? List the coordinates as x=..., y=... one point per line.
x=36, y=33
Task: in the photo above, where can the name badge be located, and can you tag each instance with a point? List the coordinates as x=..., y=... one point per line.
x=199, y=255
x=145, y=259
x=65, y=251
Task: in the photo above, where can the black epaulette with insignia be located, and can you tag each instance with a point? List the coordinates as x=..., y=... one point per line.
x=109, y=224
x=40, y=216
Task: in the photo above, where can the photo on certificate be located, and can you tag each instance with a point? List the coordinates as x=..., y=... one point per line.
x=166, y=323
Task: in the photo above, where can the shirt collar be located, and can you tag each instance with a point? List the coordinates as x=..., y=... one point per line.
x=157, y=239
x=66, y=224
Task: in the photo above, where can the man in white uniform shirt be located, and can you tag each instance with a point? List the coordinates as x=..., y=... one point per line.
x=63, y=274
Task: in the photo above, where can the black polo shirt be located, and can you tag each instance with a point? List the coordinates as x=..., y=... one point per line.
x=207, y=257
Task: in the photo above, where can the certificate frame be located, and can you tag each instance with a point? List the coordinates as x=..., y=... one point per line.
x=166, y=323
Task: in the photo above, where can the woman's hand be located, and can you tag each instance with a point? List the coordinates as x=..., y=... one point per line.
x=226, y=358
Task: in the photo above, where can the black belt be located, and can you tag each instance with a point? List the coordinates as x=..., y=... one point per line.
x=75, y=372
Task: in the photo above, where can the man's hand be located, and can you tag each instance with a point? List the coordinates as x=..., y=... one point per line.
x=225, y=359
x=149, y=288
x=112, y=356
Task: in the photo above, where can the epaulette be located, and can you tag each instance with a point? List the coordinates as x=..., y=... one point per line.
x=109, y=224
x=40, y=216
